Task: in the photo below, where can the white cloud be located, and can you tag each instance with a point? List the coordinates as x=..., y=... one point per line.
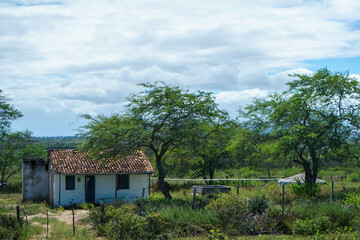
x=70, y=57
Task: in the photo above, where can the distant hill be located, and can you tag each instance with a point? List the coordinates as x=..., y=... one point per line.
x=68, y=142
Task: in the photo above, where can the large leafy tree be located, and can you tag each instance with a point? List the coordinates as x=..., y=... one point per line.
x=13, y=145
x=208, y=151
x=311, y=122
x=161, y=118
x=7, y=114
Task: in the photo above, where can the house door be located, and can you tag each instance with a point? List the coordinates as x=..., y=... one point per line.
x=90, y=189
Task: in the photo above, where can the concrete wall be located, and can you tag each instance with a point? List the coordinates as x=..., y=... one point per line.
x=35, y=183
x=65, y=197
x=104, y=189
x=137, y=183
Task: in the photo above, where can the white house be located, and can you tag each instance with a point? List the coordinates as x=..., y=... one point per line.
x=74, y=177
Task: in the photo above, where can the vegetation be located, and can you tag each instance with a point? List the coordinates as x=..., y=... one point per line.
x=161, y=119
x=312, y=126
x=314, y=121
x=69, y=142
x=14, y=146
x=228, y=216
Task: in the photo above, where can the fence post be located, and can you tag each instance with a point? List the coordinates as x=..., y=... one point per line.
x=194, y=196
x=283, y=199
x=73, y=222
x=332, y=189
x=47, y=223
x=141, y=210
x=18, y=213
x=26, y=219
x=237, y=189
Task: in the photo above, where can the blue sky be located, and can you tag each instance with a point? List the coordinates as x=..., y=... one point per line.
x=63, y=58
x=351, y=65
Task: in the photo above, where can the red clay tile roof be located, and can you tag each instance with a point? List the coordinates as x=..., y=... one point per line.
x=73, y=161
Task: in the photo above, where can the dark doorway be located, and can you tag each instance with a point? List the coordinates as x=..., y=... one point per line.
x=90, y=189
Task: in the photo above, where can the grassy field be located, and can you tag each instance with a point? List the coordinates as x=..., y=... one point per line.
x=219, y=216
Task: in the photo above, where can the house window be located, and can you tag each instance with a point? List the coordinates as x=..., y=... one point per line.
x=70, y=183
x=123, y=181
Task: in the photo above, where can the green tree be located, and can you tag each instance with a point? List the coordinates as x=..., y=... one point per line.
x=15, y=146
x=161, y=118
x=309, y=123
x=208, y=151
x=7, y=114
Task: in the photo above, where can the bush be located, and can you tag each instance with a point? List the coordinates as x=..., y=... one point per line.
x=311, y=226
x=339, y=215
x=305, y=190
x=10, y=228
x=257, y=205
x=354, y=177
x=12, y=188
x=127, y=226
x=352, y=199
x=240, y=216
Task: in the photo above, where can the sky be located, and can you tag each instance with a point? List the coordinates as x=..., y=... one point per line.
x=60, y=59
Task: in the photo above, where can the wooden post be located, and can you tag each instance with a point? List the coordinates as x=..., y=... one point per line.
x=18, y=213
x=332, y=190
x=237, y=189
x=26, y=219
x=194, y=196
x=47, y=223
x=141, y=210
x=73, y=222
x=283, y=199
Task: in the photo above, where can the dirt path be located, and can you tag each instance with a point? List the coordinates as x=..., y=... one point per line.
x=65, y=216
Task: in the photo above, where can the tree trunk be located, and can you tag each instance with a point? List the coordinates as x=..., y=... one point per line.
x=211, y=175
x=163, y=186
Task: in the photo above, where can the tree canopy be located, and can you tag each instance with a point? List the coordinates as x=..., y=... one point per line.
x=7, y=113
x=161, y=118
x=14, y=146
x=311, y=122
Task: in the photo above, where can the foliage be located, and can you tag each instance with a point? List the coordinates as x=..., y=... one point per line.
x=311, y=226
x=161, y=119
x=10, y=228
x=217, y=235
x=313, y=121
x=207, y=150
x=352, y=199
x=354, y=177
x=15, y=146
x=7, y=114
x=305, y=189
x=58, y=142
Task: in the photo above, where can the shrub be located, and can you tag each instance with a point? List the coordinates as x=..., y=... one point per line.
x=304, y=208
x=311, y=226
x=15, y=187
x=305, y=190
x=352, y=199
x=354, y=177
x=338, y=214
x=257, y=205
x=240, y=216
x=10, y=228
x=127, y=226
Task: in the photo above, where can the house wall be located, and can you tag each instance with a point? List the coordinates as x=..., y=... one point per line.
x=105, y=186
x=137, y=183
x=35, y=184
x=68, y=196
